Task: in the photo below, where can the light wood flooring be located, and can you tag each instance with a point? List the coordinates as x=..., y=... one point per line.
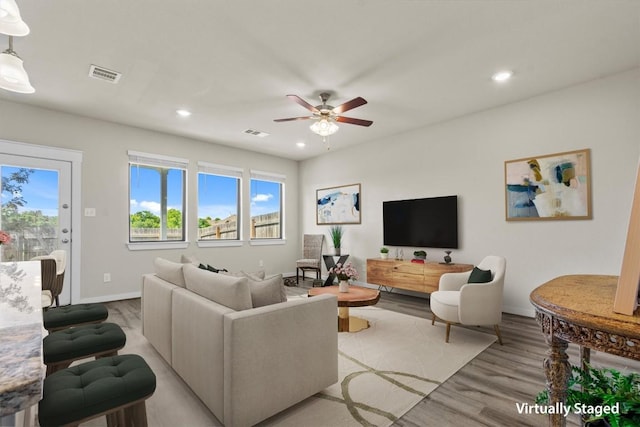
x=483, y=393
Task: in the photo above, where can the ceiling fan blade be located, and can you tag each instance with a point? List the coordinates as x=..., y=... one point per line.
x=350, y=120
x=349, y=105
x=304, y=103
x=293, y=118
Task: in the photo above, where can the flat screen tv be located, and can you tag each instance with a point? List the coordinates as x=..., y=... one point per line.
x=429, y=223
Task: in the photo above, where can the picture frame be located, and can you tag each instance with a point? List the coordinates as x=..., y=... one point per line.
x=338, y=205
x=548, y=187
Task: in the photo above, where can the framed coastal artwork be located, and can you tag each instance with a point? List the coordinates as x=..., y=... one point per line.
x=549, y=187
x=338, y=205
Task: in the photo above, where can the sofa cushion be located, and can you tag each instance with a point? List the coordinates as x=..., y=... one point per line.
x=256, y=275
x=169, y=271
x=268, y=291
x=232, y=292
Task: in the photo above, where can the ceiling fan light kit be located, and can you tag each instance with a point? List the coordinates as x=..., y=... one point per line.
x=326, y=115
x=11, y=22
x=13, y=76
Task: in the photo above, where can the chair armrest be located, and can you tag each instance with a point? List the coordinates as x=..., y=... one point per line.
x=453, y=281
x=278, y=355
x=480, y=304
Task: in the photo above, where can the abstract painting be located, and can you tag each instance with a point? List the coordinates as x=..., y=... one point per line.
x=553, y=186
x=338, y=205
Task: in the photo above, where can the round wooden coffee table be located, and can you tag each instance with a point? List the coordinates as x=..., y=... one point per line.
x=356, y=297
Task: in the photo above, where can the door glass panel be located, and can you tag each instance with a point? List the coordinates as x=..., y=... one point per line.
x=30, y=200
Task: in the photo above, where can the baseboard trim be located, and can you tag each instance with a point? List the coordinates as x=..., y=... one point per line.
x=108, y=298
x=520, y=311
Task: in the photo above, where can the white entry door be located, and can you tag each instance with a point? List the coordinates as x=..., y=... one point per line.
x=36, y=210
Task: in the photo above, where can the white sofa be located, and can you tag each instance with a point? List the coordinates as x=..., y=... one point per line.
x=245, y=363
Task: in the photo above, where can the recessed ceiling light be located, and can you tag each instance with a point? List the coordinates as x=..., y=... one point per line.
x=183, y=113
x=300, y=144
x=502, y=76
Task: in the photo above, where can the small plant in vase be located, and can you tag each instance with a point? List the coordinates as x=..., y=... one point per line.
x=384, y=252
x=344, y=273
x=336, y=232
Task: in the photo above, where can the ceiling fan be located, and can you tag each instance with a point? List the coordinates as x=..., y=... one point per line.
x=326, y=115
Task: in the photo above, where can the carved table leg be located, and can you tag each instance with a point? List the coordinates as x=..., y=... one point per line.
x=557, y=370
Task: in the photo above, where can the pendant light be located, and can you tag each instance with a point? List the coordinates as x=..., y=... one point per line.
x=13, y=77
x=11, y=22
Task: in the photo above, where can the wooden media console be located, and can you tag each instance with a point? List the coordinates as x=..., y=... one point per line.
x=409, y=275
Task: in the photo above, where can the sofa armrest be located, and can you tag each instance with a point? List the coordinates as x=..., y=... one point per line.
x=156, y=313
x=278, y=355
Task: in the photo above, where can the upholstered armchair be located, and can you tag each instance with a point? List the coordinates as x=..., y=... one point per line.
x=311, y=255
x=52, y=268
x=471, y=298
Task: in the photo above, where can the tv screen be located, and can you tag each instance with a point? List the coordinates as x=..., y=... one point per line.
x=429, y=223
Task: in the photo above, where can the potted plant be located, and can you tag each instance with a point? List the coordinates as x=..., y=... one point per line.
x=599, y=388
x=384, y=252
x=336, y=232
x=420, y=255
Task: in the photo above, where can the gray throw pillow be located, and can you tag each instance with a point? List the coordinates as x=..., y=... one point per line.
x=268, y=291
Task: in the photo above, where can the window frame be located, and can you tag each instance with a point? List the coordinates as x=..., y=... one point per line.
x=162, y=162
x=227, y=171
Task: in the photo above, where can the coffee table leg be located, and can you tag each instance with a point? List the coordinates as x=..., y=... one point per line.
x=343, y=319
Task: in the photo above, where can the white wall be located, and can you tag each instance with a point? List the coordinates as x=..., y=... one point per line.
x=105, y=188
x=466, y=157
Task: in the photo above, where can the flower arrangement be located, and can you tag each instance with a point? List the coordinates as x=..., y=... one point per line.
x=5, y=238
x=344, y=272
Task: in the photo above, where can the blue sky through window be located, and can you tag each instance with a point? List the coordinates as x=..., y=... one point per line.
x=40, y=193
x=265, y=197
x=217, y=196
x=145, y=189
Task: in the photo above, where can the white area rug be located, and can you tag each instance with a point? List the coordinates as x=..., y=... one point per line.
x=385, y=370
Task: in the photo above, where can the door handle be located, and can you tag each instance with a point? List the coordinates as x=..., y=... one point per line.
x=64, y=230
x=65, y=240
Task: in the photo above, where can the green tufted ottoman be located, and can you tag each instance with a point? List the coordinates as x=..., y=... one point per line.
x=61, y=348
x=113, y=386
x=74, y=315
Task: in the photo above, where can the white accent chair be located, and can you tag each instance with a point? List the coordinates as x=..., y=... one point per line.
x=457, y=301
x=312, y=255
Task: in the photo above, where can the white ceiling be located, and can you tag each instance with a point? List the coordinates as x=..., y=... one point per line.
x=232, y=62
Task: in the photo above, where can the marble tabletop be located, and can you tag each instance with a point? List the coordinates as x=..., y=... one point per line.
x=21, y=368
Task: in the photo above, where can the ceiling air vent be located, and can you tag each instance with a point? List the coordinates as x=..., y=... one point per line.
x=256, y=133
x=105, y=74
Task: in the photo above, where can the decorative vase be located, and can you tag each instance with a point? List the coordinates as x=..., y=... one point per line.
x=343, y=286
x=384, y=255
x=447, y=258
x=337, y=251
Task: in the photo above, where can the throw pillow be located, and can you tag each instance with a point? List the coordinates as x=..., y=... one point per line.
x=266, y=292
x=232, y=292
x=189, y=259
x=479, y=276
x=169, y=271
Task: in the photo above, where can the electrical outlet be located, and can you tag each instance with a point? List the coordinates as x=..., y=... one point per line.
x=89, y=211
x=107, y=277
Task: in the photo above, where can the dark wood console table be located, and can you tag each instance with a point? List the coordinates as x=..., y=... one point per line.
x=579, y=309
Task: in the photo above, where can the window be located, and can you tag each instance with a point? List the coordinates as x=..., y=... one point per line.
x=218, y=202
x=267, y=191
x=156, y=198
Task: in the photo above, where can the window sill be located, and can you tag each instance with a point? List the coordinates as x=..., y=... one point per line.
x=219, y=243
x=267, y=242
x=150, y=246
